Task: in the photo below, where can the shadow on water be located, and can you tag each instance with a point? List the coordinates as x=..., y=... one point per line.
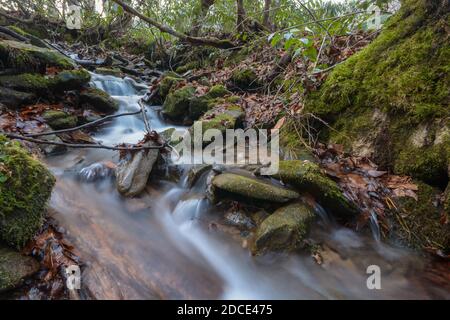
x=162, y=245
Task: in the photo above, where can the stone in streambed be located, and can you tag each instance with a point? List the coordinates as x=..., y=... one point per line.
x=284, y=230
x=99, y=100
x=308, y=177
x=59, y=119
x=253, y=188
x=14, y=267
x=199, y=105
x=132, y=173
x=176, y=105
x=15, y=99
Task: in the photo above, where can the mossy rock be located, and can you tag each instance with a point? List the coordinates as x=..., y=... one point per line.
x=376, y=100
x=71, y=80
x=28, y=58
x=291, y=146
x=34, y=40
x=176, y=105
x=222, y=117
x=308, y=177
x=59, y=119
x=14, y=267
x=245, y=79
x=421, y=225
x=166, y=84
x=199, y=105
x=15, y=99
x=25, y=187
x=99, y=100
x=116, y=72
x=186, y=67
x=253, y=188
x=284, y=230
x=27, y=82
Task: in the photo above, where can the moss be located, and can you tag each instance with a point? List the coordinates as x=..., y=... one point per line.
x=26, y=82
x=176, y=105
x=199, y=105
x=222, y=117
x=253, y=188
x=71, y=79
x=99, y=100
x=59, y=119
x=308, y=177
x=404, y=74
x=427, y=164
x=29, y=58
x=25, y=187
x=284, y=230
x=421, y=225
x=188, y=66
x=109, y=71
x=14, y=267
x=166, y=84
x=245, y=79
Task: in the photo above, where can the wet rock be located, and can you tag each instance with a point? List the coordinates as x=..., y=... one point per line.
x=132, y=172
x=168, y=136
x=15, y=99
x=29, y=58
x=51, y=150
x=239, y=219
x=284, y=230
x=70, y=80
x=25, y=187
x=176, y=105
x=253, y=188
x=195, y=172
x=14, y=267
x=59, y=119
x=97, y=171
x=99, y=100
x=308, y=177
x=109, y=71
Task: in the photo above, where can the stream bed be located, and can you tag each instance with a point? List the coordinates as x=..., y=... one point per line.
x=168, y=243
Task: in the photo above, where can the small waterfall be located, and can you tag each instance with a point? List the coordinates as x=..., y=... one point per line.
x=374, y=226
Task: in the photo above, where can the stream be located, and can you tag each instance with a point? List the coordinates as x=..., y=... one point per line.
x=169, y=242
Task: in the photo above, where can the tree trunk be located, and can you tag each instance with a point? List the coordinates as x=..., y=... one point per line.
x=266, y=14
x=198, y=20
x=240, y=15
x=202, y=41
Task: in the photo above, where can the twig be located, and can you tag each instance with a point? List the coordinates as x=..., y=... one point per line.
x=80, y=146
x=89, y=124
x=144, y=116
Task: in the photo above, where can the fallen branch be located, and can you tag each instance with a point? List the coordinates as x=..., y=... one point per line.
x=206, y=41
x=86, y=125
x=13, y=34
x=80, y=145
x=144, y=115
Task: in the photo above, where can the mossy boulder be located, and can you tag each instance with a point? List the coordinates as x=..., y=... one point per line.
x=71, y=80
x=116, y=72
x=186, y=67
x=199, y=105
x=377, y=99
x=25, y=187
x=176, y=105
x=59, y=119
x=34, y=40
x=222, y=117
x=284, y=230
x=99, y=100
x=14, y=267
x=29, y=58
x=307, y=176
x=166, y=84
x=15, y=99
x=253, y=188
x=422, y=225
x=245, y=79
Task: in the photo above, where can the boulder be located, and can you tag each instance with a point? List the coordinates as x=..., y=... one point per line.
x=176, y=105
x=59, y=119
x=25, y=187
x=222, y=117
x=166, y=84
x=29, y=58
x=284, y=230
x=15, y=99
x=26, y=82
x=308, y=177
x=252, y=188
x=71, y=80
x=109, y=71
x=99, y=100
x=199, y=105
x=132, y=172
x=196, y=172
x=14, y=267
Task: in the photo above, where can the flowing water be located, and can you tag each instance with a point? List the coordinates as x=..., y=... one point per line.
x=170, y=242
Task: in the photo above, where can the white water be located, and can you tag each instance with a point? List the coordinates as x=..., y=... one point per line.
x=163, y=245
